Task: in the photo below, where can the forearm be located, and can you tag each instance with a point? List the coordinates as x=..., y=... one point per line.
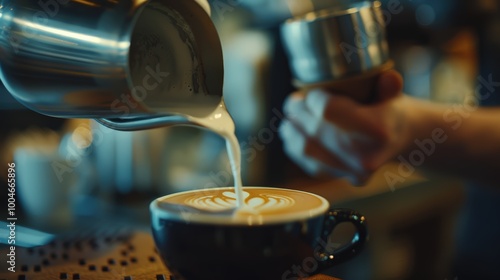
x=457, y=140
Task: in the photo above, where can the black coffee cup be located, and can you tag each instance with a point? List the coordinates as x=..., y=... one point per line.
x=196, y=243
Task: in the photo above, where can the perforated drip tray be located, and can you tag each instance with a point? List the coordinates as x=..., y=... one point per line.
x=96, y=255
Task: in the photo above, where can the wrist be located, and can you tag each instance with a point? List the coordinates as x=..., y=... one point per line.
x=423, y=123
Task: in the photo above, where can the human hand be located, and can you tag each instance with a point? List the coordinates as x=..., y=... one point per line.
x=329, y=133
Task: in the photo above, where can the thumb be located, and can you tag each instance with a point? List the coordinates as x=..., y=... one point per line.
x=389, y=85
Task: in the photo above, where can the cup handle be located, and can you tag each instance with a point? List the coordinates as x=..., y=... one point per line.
x=332, y=219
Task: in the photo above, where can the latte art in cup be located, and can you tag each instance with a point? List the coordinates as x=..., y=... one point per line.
x=257, y=203
x=261, y=205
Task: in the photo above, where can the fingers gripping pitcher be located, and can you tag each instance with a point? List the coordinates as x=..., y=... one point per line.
x=131, y=64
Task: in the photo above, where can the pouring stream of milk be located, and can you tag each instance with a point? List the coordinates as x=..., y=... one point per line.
x=221, y=122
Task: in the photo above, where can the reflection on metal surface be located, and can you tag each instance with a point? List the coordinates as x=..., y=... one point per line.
x=58, y=32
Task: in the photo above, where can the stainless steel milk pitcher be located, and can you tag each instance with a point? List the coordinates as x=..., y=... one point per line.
x=132, y=64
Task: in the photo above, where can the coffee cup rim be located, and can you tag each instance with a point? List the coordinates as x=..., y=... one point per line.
x=255, y=220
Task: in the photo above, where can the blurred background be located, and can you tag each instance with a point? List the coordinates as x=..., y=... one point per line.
x=89, y=171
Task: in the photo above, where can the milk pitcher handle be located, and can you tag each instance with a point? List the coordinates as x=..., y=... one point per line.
x=333, y=218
